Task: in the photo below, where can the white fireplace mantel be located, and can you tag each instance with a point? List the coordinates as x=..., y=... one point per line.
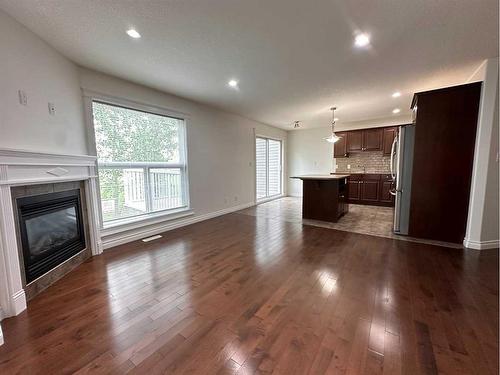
x=18, y=168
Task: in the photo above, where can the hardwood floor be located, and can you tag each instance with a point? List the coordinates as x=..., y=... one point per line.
x=248, y=294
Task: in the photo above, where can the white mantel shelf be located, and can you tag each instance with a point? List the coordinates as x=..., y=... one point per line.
x=21, y=167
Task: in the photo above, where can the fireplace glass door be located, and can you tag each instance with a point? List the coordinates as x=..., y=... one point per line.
x=51, y=230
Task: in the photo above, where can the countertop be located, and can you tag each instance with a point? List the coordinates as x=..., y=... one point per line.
x=321, y=176
x=361, y=172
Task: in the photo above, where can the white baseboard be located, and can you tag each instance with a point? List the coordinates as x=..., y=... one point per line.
x=481, y=245
x=18, y=305
x=150, y=230
x=18, y=302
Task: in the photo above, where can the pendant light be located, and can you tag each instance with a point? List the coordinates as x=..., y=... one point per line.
x=333, y=137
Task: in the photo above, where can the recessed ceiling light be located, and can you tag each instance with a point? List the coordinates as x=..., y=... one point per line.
x=362, y=40
x=233, y=83
x=133, y=34
x=397, y=94
x=396, y=110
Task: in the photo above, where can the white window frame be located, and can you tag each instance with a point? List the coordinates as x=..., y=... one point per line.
x=118, y=225
x=282, y=188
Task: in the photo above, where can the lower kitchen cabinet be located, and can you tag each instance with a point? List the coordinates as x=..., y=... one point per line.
x=385, y=192
x=354, y=190
x=370, y=189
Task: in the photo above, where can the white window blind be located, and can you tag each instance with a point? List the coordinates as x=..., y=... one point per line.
x=268, y=167
x=261, y=167
x=141, y=159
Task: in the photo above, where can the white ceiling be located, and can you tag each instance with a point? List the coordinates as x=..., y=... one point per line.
x=293, y=58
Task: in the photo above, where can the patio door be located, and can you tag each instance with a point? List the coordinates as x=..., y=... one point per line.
x=268, y=167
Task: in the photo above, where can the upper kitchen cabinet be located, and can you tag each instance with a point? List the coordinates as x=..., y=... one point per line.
x=372, y=140
x=364, y=140
x=355, y=141
x=388, y=136
x=340, y=147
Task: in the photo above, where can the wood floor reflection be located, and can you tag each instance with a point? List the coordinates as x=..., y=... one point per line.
x=247, y=294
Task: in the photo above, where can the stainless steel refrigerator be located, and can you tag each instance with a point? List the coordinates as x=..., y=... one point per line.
x=401, y=172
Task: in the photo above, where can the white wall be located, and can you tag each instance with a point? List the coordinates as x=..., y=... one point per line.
x=30, y=64
x=482, y=224
x=221, y=146
x=308, y=153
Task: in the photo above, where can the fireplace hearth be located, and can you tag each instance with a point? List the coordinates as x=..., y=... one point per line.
x=51, y=230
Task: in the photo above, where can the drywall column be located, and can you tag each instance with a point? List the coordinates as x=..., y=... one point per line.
x=482, y=223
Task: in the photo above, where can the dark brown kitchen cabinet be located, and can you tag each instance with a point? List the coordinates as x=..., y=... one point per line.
x=445, y=135
x=372, y=140
x=371, y=189
x=354, y=190
x=370, y=186
x=355, y=141
x=385, y=189
x=364, y=140
x=340, y=147
x=324, y=199
x=388, y=137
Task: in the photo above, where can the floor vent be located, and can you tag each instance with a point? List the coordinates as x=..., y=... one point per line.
x=152, y=238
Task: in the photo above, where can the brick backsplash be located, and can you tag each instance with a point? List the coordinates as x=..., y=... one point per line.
x=373, y=161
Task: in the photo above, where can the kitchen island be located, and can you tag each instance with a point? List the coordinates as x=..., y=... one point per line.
x=324, y=197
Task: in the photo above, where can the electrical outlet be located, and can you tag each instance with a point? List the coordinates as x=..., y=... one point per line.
x=52, y=109
x=23, y=99
x=348, y=166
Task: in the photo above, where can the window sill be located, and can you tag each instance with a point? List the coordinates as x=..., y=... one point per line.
x=140, y=222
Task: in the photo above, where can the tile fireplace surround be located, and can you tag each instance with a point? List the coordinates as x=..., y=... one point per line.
x=22, y=168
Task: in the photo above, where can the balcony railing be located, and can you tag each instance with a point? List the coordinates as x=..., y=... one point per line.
x=132, y=189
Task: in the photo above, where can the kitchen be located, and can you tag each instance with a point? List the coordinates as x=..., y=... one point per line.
x=405, y=181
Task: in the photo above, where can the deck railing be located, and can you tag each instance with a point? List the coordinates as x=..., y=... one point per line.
x=130, y=189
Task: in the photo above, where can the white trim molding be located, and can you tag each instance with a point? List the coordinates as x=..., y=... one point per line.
x=21, y=167
x=481, y=245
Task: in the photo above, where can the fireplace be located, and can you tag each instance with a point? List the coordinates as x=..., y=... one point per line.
x=51, y=230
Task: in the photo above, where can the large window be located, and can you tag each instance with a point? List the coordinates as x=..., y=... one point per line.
x=268, y=167
x=141, y=158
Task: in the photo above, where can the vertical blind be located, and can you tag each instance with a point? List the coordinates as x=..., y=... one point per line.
x=268, y=167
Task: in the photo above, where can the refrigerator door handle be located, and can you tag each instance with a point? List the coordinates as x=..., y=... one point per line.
x=393, y=190
x=393, y=154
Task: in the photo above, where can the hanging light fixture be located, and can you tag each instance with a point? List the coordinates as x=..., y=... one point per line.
x=296, y=124
x=333, y=137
